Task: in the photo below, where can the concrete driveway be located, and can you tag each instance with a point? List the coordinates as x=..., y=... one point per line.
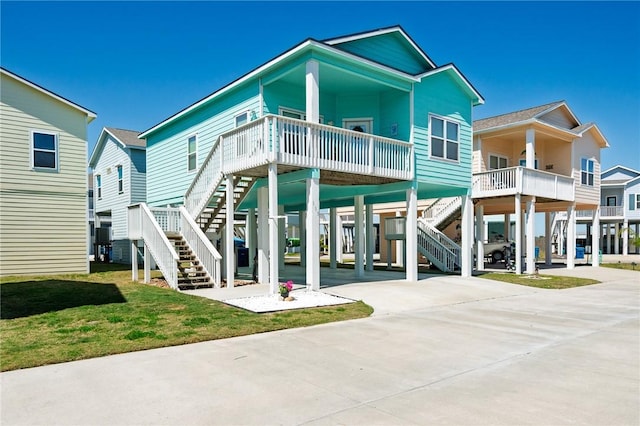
x=444, y=350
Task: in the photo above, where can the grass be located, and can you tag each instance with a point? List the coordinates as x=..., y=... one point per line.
x=633, y=266
x=542, y=281
x=47, y=320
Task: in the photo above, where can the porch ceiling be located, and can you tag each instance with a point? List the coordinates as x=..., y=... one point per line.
x=543, y=134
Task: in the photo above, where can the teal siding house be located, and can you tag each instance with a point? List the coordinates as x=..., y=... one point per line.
x=355, y=121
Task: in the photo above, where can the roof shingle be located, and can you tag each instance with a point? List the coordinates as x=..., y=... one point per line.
x=128, y=137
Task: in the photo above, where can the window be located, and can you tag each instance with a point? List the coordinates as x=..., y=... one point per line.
x=192, y=153
x=523, y=163
x=587, y=174
x=99, y=186
x=611, y=201
x=634, y=201
x=242, y=119
x=44, y=148
x=294, y=113
x=444, y=138
x=120, y=182
x=497, y=162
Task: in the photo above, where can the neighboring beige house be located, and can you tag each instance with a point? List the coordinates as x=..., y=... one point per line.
x=43, y=180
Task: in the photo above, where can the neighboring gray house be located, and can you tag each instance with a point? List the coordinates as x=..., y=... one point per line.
x=620, y=210
x=119, y=180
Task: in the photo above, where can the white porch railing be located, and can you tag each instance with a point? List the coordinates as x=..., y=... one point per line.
x=142, y=225
x=439, y=211
x=168, y=218
x=513, y=180
x=297, y=143
x=605, y=212
x=201, y=246
x=439, y=251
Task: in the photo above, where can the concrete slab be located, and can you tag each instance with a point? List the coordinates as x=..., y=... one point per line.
x=444, y=350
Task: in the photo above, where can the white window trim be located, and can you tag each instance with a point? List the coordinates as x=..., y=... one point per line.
x=499, y=156
x=593, y=173
x=98, y=188
x=637, y=201
x=195, y=169
x=445, y=119
x=235, y=118
x=32, y=149
x=368, y=120
x=119, y=179
x=302, y=114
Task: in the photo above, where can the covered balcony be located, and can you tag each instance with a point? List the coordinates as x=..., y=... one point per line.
x=524, y=181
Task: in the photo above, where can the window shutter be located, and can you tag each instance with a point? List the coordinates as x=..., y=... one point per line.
x=632, y=201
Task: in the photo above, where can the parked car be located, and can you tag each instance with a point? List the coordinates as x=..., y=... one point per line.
x=495, y=250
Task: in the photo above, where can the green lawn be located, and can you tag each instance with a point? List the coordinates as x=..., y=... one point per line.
x=46, y=320
x=632, y=266
x=541, y=281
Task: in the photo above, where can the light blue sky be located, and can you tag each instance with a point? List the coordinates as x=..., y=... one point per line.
x=136, y=64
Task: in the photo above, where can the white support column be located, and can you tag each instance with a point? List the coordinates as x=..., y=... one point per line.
x=370, y=244
x=480, y=237
x=282, y=240
x=274, y=254
x=608, y=234
x=625, y=237
x=571, y=236
x=399, y=247
x=333, y=237
x=263, y=235
x=531, y=234
x=147, y=264
x=229, y=250
x=252, y=235
x=518, y=236
x=547, y=238
x=339, y=239
x=411, y=227
x=134, y=260
x=466, y=251
x=616, y=238
x=358, y=220
x=531, y=148
x=595, y=238
x=313, y=229
x=507, y=227
x=312, y=83
x=302, y=223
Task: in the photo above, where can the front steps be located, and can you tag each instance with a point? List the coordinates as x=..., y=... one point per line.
x=191, y=273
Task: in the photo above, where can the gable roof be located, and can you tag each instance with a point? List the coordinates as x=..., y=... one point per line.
x=124, y=138
x=514, y=117
x=619, y=168
x=90, y=114
x=345, y=42
x=461, y=80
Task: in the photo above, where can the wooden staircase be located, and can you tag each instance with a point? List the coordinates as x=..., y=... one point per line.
x=191, y=273
x=213, y=218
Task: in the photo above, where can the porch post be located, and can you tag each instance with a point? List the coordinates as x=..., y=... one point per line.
x=625, y=237
x=147, y=264
x=282, y=243
x=252, y=235
x=616, y=238
x=229, y=250
x=339, y=239
x=507, y=227
x=466, y=251
x=571, y=236
x=608, y=234
x=333, y=237
x=312, y=91
x=358, y=220
x=313, y=228
x=480, y=237
x=134, y=260
x=531, y=235
x=400, y=247
x=302, y=220
x=369, y=236
x=518, y=232
x=263, y=235
x=411, y=227
x=531, y=148
x=547, y=238
x=595, y=238
x=274, y=254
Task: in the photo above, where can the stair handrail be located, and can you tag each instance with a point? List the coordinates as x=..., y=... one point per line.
x=159, y=245
x=446, y=242
x=201, y=246
x=452, y=205
x=435, y=251
x=203, y=184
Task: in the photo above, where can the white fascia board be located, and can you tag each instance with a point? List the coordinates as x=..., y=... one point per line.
x=379, y=32
x=452, y=67
x=524, y=123
x=595, y=127
x=257, y=71
x=621, y=167
x=98, y=148
x=122, y=144
x=90, y=114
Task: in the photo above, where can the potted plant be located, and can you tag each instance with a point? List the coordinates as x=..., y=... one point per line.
x=285, y=288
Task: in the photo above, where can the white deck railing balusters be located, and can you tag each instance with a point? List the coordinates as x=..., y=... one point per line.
x=512, y=180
